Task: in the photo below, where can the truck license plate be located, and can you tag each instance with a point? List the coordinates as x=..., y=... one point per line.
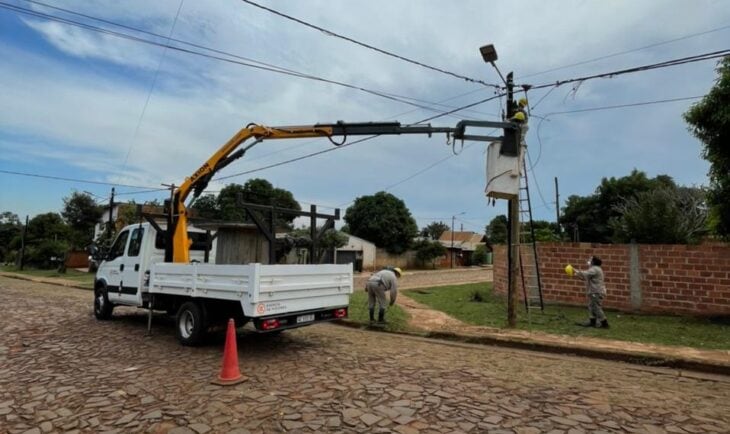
x=305, y=318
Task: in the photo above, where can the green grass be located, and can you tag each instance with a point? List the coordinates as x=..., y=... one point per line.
x=492, y=311
x=396, y=317
x=83, y=279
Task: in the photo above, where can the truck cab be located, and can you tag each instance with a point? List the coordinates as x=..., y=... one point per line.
x=126, y=267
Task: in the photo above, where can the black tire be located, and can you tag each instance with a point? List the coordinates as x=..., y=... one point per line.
x=190, y=324
x=102, y=306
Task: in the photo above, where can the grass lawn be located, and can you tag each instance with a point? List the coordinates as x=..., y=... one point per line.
x=457, y=301
x=396, y=317
x=84, y=279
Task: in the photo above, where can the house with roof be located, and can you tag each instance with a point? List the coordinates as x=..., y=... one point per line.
x=460, y=247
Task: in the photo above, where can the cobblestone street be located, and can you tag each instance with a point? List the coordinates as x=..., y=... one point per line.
x=63, y=371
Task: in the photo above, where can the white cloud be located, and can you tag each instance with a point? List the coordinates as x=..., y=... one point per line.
x=85, y=105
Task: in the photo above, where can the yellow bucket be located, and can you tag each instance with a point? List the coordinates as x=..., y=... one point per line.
x=569, y=270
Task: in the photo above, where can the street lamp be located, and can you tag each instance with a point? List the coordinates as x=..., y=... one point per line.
x=489, y=54
x=453, y=217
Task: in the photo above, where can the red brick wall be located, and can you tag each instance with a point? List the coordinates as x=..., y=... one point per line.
x=675, y=279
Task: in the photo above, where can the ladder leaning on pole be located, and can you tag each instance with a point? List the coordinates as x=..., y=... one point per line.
x=529, y=266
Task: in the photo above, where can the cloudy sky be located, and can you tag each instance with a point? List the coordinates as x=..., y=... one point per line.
x=86, y=105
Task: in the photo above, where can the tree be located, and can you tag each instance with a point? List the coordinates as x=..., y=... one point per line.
x=207, y=207
x=427, y=251
x=434, y=230
x=10, y=230
x=331, y=239
x=663, y=216
x=709, y=121
x=383, y=219
x=81, y=214
x=496, y=230
x=590, y=217
x=480, y=255
x=257, y=191
x=46, y=240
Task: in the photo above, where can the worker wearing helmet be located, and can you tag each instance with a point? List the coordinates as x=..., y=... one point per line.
x=520, y=115
x=384, y=280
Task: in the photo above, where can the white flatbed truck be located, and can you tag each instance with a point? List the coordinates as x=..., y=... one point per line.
x=201, y=295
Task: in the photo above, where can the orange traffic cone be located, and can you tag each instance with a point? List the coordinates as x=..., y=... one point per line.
x=230, y=374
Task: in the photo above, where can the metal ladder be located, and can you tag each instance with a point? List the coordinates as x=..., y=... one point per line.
x=529, y=266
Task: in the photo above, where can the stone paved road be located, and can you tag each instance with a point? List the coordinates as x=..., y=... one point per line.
x=60, y=370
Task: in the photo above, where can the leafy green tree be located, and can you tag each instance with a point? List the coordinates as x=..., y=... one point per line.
x=81, y=214
x=434, y=230
x=664, y=215
x=329, y=240
x=10, y=230
x=383, y=219
x=590, y=218
x=46, y=239
x=427, y=251
x=709, y=121
x=480, y=255
x=207, y=207
x=257, y=191
x=496, y=230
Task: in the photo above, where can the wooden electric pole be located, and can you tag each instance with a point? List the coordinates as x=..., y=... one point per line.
x=513, y=267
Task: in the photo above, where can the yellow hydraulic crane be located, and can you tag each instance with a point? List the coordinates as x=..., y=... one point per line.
x=178, y=247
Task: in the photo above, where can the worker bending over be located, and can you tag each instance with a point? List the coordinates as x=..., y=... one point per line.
x=377, y=284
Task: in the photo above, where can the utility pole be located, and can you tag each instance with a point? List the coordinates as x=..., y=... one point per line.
x=111, y=210
x=22, y=244
x=514, y=220
x=557, y=206
x=451, y=252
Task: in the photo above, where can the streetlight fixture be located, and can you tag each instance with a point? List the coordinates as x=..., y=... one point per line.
x=489, y=54
x=453, y=217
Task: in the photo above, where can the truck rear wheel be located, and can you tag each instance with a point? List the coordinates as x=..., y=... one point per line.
x=102, y=306
x=191, y=324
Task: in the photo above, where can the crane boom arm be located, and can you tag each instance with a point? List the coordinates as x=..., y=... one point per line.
x=178, y=250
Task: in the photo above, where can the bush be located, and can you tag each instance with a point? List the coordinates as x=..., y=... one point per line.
x=47, y=254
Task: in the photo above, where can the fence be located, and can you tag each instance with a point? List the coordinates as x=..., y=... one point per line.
x=673, y=279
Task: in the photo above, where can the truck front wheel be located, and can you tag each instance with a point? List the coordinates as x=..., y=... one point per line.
x=102, y=306
x=191, y=324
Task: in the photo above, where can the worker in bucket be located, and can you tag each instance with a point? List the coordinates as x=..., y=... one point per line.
x=384, y=280
x=520, y=115
x=595, y=290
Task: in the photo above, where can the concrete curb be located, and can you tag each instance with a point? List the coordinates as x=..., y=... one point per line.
x=633, y=357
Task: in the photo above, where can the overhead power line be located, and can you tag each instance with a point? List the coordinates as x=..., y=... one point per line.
x=620, y=53
x=665, y=64
x=610, y=107
x=370, y=47
x=82, y=181
x=249, y=64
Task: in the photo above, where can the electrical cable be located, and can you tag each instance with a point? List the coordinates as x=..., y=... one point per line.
x=81, y=181
x=591, y=109
x=665, y=64
x=693, y=35
x=277, y=70
x=370, y=47
x=152, y=88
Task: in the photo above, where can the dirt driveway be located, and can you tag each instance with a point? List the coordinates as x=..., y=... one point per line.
x=62, y=371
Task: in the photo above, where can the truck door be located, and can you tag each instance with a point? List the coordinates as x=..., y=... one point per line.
x=113, y=266
x=130, y=266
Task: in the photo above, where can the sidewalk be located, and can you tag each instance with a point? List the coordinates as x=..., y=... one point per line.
x=434, y=324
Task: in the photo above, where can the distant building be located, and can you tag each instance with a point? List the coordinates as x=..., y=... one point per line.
x=461, y=247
